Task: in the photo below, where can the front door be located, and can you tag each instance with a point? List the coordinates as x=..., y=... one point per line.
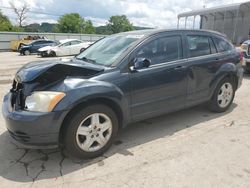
x=162, y=86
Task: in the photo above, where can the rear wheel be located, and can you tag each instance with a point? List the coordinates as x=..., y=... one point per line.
x=90, y=132
x=223, y=96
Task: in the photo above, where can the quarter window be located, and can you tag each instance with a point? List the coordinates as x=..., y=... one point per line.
x=212, y=46
x=222, y=45
x=161, y=50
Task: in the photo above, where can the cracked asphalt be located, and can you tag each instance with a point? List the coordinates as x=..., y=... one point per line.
x=189, y=148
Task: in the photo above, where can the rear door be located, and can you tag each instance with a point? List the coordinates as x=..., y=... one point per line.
x=75, y=47
x=203, y=63
x=162, y=86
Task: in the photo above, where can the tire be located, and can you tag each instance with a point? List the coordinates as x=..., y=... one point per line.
x=52, y=54
x=82, y=129
x=26, y=52
x=43, y=54
x=223, y=96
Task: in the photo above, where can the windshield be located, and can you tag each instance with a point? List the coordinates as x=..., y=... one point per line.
x=56, y=43
x=108, y=50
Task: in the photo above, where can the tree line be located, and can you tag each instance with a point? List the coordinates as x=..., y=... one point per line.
x=68, y=23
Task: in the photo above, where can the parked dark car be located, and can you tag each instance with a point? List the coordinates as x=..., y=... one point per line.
x=34, y=46
x=246, y=53
x=127, y=77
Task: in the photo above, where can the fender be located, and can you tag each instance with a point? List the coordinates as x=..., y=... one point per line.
x=228, y=69
x=80, y=90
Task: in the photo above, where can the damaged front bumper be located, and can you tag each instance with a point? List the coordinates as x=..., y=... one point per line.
x=32, y=129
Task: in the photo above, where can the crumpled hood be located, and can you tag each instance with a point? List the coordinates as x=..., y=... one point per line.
x=53, y=70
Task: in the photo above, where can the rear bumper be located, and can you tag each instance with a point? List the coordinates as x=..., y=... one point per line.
x=33, y=129
x=240, y=73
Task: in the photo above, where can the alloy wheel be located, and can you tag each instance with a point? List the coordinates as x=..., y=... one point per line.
x=225, y=95
x=94, y=132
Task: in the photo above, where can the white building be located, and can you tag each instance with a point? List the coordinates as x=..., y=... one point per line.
x=232, y=20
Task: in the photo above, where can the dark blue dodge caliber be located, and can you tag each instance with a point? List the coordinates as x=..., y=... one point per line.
x=81, y=104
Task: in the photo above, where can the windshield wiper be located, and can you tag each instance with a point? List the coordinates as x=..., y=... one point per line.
x=86, y=59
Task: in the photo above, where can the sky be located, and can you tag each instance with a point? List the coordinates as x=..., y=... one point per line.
x=146, y=13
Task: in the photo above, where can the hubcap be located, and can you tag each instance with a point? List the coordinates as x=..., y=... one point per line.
x=225, y=95
x=94, y=132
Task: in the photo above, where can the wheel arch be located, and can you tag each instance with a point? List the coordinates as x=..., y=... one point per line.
x=99, y=100
x=231, y=75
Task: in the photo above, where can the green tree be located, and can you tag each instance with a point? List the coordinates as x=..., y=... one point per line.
x=73, y=23
x=88, y=27
x=117, y=24
x=70, y=23
x=5, y=24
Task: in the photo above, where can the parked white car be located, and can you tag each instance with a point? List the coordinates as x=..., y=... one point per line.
x=64, y=48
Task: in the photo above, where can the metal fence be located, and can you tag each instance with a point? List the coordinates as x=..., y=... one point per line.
x=6, y=37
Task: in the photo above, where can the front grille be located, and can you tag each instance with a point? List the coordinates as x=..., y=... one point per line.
x=17, y=95
x=19, y=136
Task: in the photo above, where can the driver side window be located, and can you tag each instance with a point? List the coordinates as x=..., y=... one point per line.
x=161, y=50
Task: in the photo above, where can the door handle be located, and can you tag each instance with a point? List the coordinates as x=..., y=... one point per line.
x=179, y=67
x=217, y=59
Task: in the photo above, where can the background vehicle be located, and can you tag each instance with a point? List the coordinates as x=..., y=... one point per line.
x=64, y=48
x=245, y=47
x=15, y=45
x=27, y=49
x=82, y=103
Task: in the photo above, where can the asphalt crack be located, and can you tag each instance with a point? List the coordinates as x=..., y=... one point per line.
x=39, y=173
x=22, y=156
x=61, y=163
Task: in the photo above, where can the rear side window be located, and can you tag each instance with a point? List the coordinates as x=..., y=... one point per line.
x=200, y=46
x=222, y=45
x=161, y=50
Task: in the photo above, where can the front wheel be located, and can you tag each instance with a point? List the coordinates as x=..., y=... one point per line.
x=223, y=96
x=90, y=131
x=26, y=52
x=52, y=54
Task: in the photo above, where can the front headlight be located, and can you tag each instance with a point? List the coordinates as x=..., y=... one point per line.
x=43, y=101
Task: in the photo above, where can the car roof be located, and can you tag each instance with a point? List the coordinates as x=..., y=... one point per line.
x=149, y=32
x=67, y=40
x=47, y=40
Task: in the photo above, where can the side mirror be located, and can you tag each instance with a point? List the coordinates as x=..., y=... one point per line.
x=140, y=63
